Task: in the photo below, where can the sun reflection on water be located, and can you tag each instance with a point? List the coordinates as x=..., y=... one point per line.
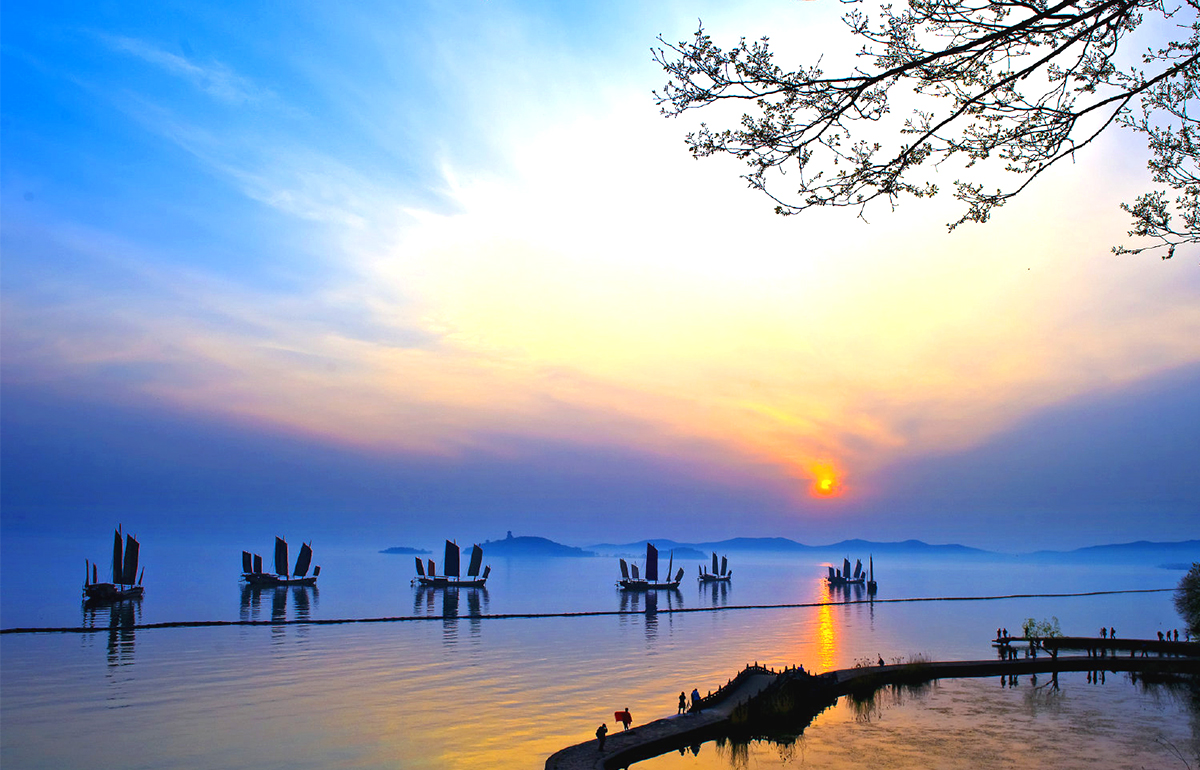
x=827, y=636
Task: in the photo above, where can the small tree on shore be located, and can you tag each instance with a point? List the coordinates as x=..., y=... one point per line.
x=1043, y=629
x=1187, y=600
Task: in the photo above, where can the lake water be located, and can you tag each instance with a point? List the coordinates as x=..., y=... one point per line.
x=455, y=691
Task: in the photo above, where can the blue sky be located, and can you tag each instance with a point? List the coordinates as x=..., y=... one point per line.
x=420, y=270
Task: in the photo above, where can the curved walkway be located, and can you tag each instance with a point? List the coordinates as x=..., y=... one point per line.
x=663, y=735
x=625, y=746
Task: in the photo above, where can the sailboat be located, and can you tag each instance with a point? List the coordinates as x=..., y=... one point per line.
x=452, y=578
x=871, y=586
x=252, y=567
x=632, y=581
x=716, y=575
x=126, y=582
x=843, y=577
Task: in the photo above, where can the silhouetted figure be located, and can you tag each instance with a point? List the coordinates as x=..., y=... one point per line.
x=1112, y=633
x=1103, y=633
x=1005, y=633
x=696, y=700
x=1160, y=636
x=601, y=734
x=682, y=703
x=881, y=660
x=997, y=633
x=1177, y=634
x=625, y=717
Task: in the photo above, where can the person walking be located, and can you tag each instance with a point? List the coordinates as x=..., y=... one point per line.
x=626, y=718
x=682, y=703
x=696, y=700
x=601, y=733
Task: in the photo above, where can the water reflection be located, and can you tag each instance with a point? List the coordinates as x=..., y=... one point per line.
x=119, y=618
x=947, y=722
x=425, y=603
x=827, y=638
x=648, y=604
x=845, y=593
x=716, y=592
x=868, y=707
x=303, y=600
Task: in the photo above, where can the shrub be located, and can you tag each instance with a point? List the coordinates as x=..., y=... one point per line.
x=1187, y=599
x=1043, y=629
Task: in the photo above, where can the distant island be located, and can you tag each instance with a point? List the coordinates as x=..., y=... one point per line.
x=403, y=550
x=530, y=547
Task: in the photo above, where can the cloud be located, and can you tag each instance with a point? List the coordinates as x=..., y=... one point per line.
x=215, y=79
x=580, y=283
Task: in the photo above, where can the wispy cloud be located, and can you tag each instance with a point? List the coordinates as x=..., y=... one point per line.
x=214, y=78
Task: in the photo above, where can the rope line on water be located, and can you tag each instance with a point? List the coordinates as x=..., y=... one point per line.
x=535, y=615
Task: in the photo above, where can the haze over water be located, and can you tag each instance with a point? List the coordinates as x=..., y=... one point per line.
x=462, y=692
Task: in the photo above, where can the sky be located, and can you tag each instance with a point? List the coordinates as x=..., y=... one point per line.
x=401, y=271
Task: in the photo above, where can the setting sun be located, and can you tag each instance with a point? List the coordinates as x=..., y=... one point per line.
x=826, y=480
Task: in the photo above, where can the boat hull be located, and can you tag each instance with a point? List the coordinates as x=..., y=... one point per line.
x=645, y=585
x=845, y=582
x=265, y=579
x=443, y=582
x=107, y=592
x=715, y=578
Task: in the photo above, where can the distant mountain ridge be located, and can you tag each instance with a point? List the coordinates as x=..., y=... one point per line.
x=1186, y=550
x=1177, y=552
x=1183, y=549
x=784, y=545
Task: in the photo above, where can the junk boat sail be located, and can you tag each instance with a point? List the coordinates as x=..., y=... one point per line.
x=126, y=582
x=844, y=577
x=252, y=567
x=722, y=575
x=651, y=581
x=450, y=566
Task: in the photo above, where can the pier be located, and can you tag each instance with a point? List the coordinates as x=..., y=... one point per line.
x=1098, y=646
x=758, y=695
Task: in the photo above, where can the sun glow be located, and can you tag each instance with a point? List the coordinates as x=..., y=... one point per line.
x=826, y=480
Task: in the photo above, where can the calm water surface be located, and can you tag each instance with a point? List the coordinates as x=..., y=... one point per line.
x=455, y=691
x=1070, y=723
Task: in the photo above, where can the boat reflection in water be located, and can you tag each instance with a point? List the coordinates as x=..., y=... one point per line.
x=426, y=602
x=647, y=605
x=254, y=597
x=848, y=592
x=717, y=591
x=119, y=618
